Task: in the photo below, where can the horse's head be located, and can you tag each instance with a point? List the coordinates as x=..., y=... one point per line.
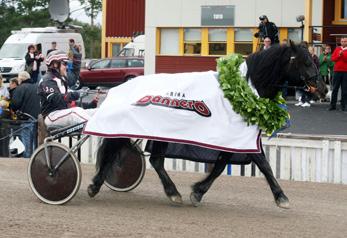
x=300, y=63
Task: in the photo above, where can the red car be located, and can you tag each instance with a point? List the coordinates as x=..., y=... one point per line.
x=110, y=72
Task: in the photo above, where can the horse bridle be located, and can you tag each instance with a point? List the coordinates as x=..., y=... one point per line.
x=304, y=79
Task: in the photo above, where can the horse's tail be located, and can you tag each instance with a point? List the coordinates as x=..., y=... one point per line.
x=108, y=151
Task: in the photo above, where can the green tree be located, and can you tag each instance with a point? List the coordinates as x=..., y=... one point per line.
x=92, y=8
x=27, y=7
x=18, y=14
x=92, y=38
x=15, y=15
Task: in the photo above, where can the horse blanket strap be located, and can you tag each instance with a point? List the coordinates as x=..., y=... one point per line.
x=187, y=108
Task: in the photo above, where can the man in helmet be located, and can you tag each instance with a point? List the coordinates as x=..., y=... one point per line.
x=55, y=97
x=267, y=29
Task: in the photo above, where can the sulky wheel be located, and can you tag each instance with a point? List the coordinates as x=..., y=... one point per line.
x=59, y=186
x=127, y=171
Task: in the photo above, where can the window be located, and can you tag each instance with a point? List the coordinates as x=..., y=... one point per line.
x=101, y=64
x=13, y=50
x=217, y=41
x=117, y=63
x=116, y=47
x=169, y=42
x=243, y=41
x=343, y=8
x=127, y=52
x=192, y=41
x=295, y=34
x=135, y=63
x=340, y=12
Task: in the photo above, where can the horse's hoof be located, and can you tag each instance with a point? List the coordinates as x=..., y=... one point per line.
x=176, y=200
x=195, y=199
x=92, y=190
x=283, y=202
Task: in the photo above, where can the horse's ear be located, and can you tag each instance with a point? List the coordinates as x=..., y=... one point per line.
x=292, y=45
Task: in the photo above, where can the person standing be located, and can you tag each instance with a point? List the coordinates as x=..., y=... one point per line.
x=53, y=47
x=32, y=63
x=326, y=65
x=74, y=66
x=339, y=56
x=267, y=29
x=267, y=43
x=26, y=100
x=12, y=86
x=306, y=95
x=4, y=94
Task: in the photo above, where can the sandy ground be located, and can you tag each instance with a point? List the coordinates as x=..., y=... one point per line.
x=234, y=207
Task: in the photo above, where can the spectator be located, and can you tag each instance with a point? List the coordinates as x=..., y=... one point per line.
x=314, y=56
x=26, y=100
x=284, y=42
x=339, y=56
x=74, y=64
x=12, y=86
x=71, y=47
x=4, y=94
x=325, y=65
x=306, y=96
x=267, y=29
x=267, y=43
x=53, y=47
x=33, y=60
x=304, y=44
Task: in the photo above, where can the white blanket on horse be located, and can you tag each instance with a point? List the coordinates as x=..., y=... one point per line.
x=187, y=108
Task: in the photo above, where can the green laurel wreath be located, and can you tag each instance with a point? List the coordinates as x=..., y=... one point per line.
x=265, y=113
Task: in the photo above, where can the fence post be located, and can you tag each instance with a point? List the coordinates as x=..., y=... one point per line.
x=273, y=160
x=337, y=162
x=324, y=162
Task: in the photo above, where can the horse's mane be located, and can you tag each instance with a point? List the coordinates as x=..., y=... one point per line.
x=266, y=69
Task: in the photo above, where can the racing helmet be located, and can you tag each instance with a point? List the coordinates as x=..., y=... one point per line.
x=57, y=56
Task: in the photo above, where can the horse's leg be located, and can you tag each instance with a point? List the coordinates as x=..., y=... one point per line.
x=264, y=166
x=107, y=153
x=157, y=161
x=200, y=188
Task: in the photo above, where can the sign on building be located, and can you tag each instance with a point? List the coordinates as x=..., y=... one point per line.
x=218, y=15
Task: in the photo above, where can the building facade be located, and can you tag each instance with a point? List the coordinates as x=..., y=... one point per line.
x=183, y=36
x=179, y=39
x=122, y=20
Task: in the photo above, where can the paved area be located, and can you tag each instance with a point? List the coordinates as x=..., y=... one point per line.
x=234, y=207
x=316, y=120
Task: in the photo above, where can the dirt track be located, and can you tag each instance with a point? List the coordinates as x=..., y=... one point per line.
x=234, y=207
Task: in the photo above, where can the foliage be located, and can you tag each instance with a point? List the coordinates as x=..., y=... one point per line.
x=92, y=38
x=92, y=8
x=15, y=15
x=27, y=7
x=265, y=113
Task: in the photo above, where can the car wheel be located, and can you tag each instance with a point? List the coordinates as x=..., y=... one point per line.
x=129, y=78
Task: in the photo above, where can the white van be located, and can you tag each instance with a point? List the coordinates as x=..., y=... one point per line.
x=14, y=49
x=134, y=48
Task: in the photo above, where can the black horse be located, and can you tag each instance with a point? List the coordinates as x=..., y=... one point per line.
x=267, y=70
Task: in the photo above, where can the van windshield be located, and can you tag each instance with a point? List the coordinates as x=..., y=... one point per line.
x=17, y=51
